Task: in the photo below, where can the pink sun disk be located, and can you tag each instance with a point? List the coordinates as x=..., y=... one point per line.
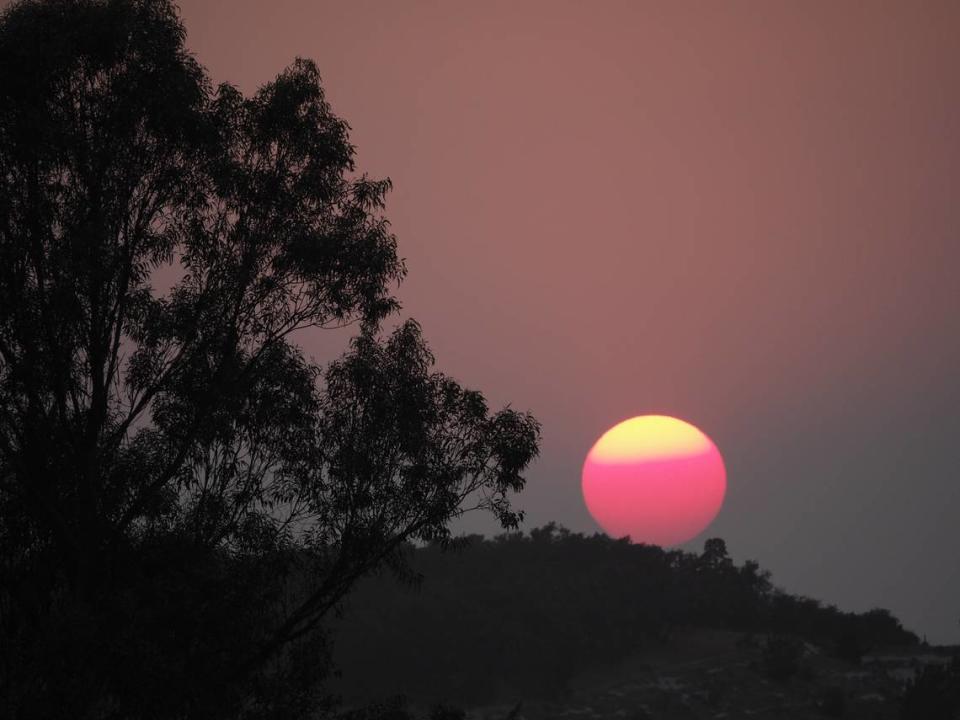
x=654, y=478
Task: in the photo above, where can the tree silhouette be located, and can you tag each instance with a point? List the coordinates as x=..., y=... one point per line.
x=184, y=496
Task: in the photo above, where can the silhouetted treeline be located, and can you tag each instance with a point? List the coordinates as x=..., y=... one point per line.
x=522, y=614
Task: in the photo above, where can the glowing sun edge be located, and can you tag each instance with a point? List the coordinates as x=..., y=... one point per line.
x=650, y=437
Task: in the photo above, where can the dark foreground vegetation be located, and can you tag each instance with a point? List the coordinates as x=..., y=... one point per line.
x=522, y=616
x=185, y=495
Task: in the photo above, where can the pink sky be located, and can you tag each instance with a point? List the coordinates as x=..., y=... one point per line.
x=744, y=214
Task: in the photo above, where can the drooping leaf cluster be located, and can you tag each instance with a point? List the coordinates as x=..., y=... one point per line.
x=184, y=495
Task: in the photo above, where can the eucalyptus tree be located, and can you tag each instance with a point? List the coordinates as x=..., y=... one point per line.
x=184, y=495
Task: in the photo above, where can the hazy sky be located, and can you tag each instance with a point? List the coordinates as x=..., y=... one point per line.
x=742, y=214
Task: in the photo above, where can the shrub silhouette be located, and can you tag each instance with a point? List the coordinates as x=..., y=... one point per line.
x=781, y=657
x=933, y=695
x=833, y=703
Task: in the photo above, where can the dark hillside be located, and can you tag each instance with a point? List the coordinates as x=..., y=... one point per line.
x=526, y=615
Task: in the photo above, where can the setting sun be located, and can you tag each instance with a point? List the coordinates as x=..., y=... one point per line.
x=658, y=479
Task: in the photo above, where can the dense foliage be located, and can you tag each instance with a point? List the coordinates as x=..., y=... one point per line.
x=184, y=495
x=934, y=694
x=520, y=615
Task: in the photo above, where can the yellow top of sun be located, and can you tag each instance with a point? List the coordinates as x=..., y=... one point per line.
x=648, y=437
